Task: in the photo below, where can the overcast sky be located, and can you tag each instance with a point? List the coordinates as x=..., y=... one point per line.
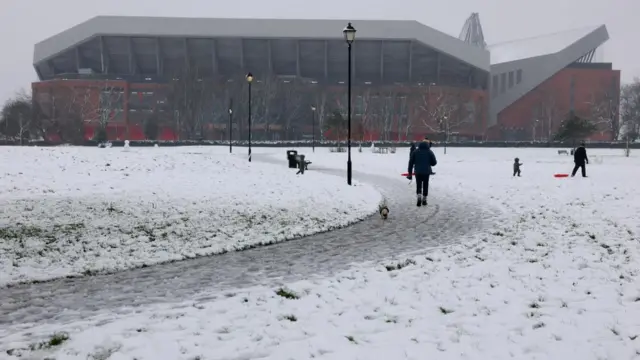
x=26, y=22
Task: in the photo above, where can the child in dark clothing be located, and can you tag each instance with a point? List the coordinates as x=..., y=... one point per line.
x=516, y=167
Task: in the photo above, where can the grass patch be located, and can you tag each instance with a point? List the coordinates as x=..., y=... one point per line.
x=291, y=318
x=287, y=294
x=538, y=325
x=400, y=265
x=534, y=305
x=20, y=232
x=445, y=311
x=56, y=339
x=351, y=339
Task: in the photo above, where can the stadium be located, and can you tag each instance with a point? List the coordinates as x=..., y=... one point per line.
x=185, y=78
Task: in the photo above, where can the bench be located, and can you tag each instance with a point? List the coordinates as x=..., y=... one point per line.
x=563, y=152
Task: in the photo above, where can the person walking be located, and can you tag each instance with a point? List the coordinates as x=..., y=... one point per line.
x=422, y=159
x=412, y=149
x=516, y=167
x=580, y=160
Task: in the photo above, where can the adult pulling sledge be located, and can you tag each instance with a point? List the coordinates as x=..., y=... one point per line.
x=420, y=163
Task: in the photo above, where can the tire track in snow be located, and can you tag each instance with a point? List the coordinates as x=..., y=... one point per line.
x=408, y=230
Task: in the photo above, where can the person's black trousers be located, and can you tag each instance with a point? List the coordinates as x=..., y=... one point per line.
x=422, y=184
x=581, y=166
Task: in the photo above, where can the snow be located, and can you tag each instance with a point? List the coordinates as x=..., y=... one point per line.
x=554, y=277
x=69, y=211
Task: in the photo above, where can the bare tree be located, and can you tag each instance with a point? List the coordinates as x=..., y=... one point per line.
x=630, y=110
x=366, y=110
x=403, y=119
x=320, y=103
x=264, y=101
x=66, y=109
x=603, y=112
x=290, y=101
x=189, y=93
x=337, y=124
x=386, y=113
x=17, y=117
x=446, y=113
x=548, y=112
x=109, y=108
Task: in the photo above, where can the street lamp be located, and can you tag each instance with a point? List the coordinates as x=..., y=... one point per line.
x=313, y=128
x=249, y=80
x=230, y=124
x=349, y=36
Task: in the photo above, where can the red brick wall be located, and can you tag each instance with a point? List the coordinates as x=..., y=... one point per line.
x=131, y=126
x=550, y=103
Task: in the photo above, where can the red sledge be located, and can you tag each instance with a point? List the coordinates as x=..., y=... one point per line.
x=561, y=175
x=406, y=174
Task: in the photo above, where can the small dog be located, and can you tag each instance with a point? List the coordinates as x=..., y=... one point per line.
x=383, y=209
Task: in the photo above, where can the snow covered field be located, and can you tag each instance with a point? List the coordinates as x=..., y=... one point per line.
x=68, y=211
x=556, y=277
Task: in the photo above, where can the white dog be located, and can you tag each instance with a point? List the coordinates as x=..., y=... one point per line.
x=383, y=210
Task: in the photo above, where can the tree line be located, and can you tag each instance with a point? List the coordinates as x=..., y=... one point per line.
x=288, y=105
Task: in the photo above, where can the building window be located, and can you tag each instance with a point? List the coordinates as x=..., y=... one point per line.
x=519, y=76
x=494, y=85
x=503, y=83
x=511, y=82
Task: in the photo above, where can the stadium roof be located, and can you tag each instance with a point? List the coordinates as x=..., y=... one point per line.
x=258, y=28
x=536, y=46
x=536, y=60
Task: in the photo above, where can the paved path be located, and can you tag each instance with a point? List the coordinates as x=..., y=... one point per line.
x=408, y=229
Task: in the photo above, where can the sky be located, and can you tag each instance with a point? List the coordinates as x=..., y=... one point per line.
x=24, y=23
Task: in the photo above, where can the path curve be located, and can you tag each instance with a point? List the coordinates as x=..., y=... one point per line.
x=408, y=229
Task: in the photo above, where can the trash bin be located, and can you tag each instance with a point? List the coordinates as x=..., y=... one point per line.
x=291, y=157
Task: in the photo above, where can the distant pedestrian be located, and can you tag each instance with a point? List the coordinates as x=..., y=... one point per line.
x=516, y=167
x=580, y=160
x=422, y=159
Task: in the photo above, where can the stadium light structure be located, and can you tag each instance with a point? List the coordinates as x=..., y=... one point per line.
x=249, y=81
x=313, y=128
x=349, y=36
x=230, y=124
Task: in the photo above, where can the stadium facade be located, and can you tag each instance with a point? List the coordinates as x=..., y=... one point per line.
x=187, y=76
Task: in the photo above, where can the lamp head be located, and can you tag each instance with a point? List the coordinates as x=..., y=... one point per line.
x=349, y=33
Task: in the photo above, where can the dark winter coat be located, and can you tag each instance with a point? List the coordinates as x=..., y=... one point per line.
x=422, y=159
x=516, y=165
x=580, y=155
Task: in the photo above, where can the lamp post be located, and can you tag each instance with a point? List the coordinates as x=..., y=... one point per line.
x=230, y=124
x=313, y=128
x=249, y=80
x=349, y=36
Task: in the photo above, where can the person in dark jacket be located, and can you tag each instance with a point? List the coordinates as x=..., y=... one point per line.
x=412, y=149
x=580, y=160
x=516, y=167
x=422, y=159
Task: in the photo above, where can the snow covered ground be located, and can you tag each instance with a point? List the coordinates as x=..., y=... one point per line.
x=556, y=277
x=68, y=211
